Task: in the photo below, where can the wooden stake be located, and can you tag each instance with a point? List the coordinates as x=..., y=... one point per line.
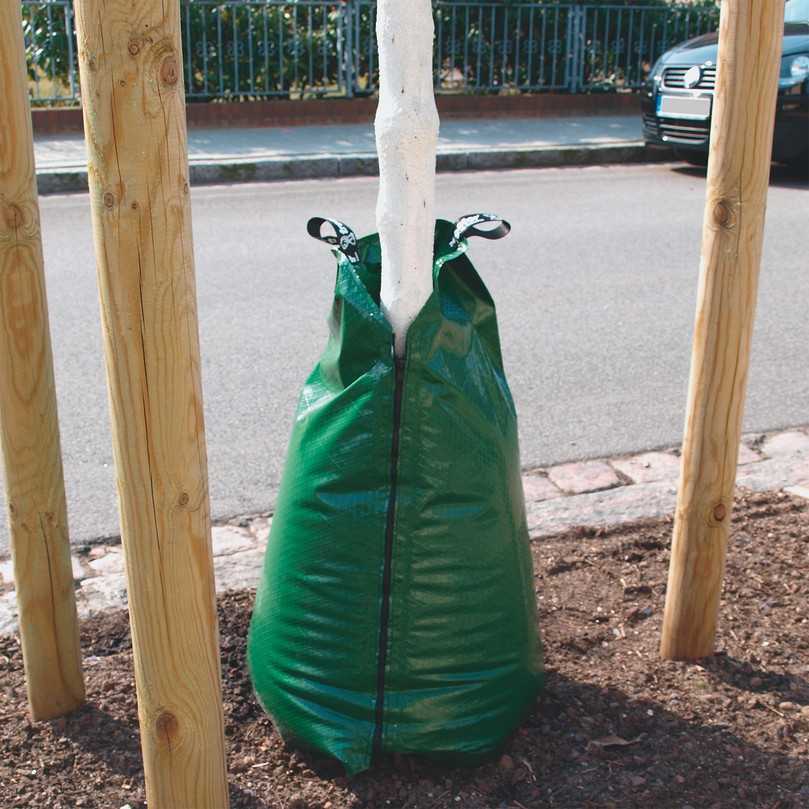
x=406, y=139
x=130, y=64
x=750, y=35
x=29, y=427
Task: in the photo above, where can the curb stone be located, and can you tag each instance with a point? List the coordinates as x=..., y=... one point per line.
x=599, y=509
x=642, y=486
x=776, y=473
x=649, y=467
x=584, y=476
x=364, y=164
x=801, y=490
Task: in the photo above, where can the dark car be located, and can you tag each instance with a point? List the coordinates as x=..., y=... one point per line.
x=678, y=95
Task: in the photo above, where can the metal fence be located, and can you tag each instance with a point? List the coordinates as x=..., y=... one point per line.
x=308, y=48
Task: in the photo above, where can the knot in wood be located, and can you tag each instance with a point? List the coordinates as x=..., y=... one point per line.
x=169, y=73
x=12, y=216
x=109, y=199
x=183, y=499
x=723, y=213
x=133, y=47
x=167, y=726
x=720, y=512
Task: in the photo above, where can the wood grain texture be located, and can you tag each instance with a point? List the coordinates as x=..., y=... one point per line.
x=130, y=64
x=750, y=36
x=29, y=427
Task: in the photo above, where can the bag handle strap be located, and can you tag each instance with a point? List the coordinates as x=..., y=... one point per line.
x=344, y=239
x=467, y=226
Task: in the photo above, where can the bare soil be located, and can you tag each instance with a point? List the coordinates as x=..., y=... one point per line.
x=615, y=726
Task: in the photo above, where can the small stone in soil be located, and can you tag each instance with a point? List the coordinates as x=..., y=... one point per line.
x=506, y=762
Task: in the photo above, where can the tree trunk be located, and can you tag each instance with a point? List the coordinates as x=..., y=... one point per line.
x=406, y=139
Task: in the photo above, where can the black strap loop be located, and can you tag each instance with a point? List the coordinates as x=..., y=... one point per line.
x=467, y=226
x=344, y=239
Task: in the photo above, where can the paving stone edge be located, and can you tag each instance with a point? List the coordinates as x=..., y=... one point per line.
x=582, y=496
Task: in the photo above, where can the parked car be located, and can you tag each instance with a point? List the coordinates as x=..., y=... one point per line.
x=678, y=95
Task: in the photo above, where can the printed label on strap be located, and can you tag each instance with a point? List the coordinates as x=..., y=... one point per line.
x=344, y=239
x=467, y=226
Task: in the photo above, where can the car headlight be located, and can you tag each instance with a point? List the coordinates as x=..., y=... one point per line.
x=794, y=69
x=799, y=66
x=657, y=69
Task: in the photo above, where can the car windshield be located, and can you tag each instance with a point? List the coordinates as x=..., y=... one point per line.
x=797, y=11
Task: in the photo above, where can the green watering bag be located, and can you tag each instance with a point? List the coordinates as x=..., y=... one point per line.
x=396, y=611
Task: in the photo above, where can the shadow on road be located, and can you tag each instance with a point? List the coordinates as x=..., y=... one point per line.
x=781, y=175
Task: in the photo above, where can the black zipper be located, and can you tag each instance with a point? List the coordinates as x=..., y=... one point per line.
x=384, y=615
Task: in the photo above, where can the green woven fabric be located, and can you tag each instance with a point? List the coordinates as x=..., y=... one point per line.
x=396, y=610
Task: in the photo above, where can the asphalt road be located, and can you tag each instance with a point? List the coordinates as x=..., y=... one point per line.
x=595, y=289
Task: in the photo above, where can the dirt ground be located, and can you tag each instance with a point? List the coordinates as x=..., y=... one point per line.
x=615, y=726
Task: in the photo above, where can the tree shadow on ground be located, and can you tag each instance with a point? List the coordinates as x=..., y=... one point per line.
x=116, y=744
x=671, y=759
x=98, y=732
x=587, y=746
x=744, y=676
x=656, y=735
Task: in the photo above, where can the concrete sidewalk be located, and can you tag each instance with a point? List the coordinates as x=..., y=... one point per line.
x=284, y=153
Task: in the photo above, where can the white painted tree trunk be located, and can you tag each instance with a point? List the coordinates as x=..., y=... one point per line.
x=406, y=140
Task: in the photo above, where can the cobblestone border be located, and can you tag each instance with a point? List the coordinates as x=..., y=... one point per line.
x=592, y=494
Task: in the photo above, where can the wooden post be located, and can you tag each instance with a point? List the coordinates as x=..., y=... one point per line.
x=750, y=35
x=130, y=63
x=406, y=140
x=29, y=427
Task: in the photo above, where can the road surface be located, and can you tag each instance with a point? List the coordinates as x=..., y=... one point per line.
x=595, y=288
